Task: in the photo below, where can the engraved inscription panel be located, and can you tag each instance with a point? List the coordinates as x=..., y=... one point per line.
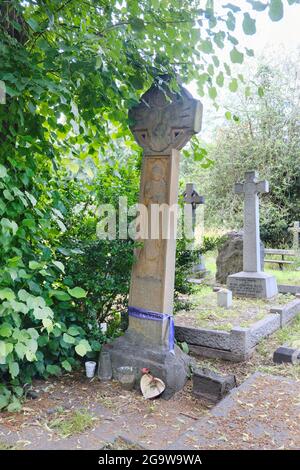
x=247, y=287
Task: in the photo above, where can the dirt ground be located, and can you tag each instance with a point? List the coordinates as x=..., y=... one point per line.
x=154, y=424
x=111, y=412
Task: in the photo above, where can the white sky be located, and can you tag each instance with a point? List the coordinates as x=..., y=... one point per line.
x=284, y=34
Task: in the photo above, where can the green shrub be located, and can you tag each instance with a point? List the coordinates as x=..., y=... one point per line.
x=211, y=243
x=185, y=260
x=102, y=268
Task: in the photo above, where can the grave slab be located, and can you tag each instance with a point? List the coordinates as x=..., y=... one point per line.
x=262, y=413
x=211, y=386
x=284, y=354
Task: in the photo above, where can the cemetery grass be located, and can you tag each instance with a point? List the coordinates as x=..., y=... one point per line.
x=290, y=275
x=66, y=424
x=262, y=359
x=204, y=312
x=287, y=276
x=200, y=308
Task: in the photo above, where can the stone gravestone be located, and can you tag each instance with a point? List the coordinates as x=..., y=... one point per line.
x=295, y=229
x=224, y=297
x=252, y=282
x=162, y=124
x=190, y=196
x=230, y=256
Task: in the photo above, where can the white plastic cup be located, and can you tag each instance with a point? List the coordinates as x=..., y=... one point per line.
x=103, y=327
x=90, y=368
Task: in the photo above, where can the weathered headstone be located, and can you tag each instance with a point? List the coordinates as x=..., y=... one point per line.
x=162, y=124
x=252, y=282
x=230, y=256
x=284, y=354
x=211, y=386
x=224, y=297
x=295, y=229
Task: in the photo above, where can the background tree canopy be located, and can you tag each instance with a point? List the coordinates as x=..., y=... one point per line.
x=71, y=70
x=262, y=133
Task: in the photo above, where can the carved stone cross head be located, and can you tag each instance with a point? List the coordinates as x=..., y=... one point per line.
x=165, y=120
x=252, y=186
x=190, y=196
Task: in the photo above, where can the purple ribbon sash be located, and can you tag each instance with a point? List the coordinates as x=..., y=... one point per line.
x=156, y=316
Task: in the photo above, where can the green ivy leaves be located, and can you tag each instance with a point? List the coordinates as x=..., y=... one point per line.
x=236, y=56
x=66, y=365
x=60, y=295
x=38, y=306
x=7, y=293
x=77, y=292
x=249, y=24
x=83, y=347
x=137, y=24
x=68, y=339
x=233, y=85
x=257, y=5
x=3, y=171
x=212, y=91
x=276, y=10
x=5, y=330
x=14, y=369
x=206, y=46
x=232, y=7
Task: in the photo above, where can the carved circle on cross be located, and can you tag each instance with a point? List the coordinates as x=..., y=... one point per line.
x=164, y=120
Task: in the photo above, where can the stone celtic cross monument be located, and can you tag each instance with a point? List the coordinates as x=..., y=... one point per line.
x=162, y=124
x=252, y=282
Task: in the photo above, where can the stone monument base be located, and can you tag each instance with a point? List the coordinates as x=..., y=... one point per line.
x=257, y=285
x=132, y=350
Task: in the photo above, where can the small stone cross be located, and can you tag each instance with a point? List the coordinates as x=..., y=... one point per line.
x=251, y=244
x=190, y=196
